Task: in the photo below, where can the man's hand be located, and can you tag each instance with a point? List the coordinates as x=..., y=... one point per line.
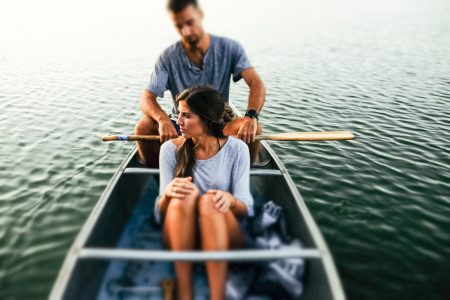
x=166, y=130
x=247, y=131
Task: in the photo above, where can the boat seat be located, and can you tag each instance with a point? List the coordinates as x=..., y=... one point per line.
x=253, y=172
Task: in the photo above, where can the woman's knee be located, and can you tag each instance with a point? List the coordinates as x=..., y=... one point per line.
x=182, y=206
x=206, y=206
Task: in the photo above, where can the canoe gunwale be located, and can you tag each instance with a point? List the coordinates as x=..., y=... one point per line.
x=331, y=272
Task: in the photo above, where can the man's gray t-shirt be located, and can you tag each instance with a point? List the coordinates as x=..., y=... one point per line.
x=228, y=170
x=175, y=72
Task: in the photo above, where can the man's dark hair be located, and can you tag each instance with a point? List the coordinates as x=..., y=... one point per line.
x=178, y=5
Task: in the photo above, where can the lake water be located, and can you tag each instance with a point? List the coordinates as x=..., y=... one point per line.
x=71, y=71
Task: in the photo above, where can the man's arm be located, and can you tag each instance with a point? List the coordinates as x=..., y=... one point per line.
x=153, y=110
x=256, y=99
x=257, y=91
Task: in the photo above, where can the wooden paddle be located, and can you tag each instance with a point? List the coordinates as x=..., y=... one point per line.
x=286, y=136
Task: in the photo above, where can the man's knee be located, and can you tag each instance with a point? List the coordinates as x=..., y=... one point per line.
x=146, y=126
x=258, y=128
x=232, y=128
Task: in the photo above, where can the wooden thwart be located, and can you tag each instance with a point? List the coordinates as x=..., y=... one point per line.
x=161, y=255
x=253, y=172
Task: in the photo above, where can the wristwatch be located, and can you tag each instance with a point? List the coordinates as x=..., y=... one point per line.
x=252, y=114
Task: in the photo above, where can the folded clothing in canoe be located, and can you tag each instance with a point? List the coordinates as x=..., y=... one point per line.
x=279, y=279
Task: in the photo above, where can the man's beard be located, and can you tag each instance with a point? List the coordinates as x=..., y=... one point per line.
x=193, y=41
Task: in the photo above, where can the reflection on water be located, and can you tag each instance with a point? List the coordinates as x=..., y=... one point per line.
x=69, y=75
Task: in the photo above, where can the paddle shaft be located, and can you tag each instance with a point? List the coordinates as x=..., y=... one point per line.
x=289, y=136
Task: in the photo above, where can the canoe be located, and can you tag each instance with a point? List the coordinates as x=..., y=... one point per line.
x=118, y=253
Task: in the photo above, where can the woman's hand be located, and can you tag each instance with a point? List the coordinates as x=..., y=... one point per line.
x=223, y=201
x=181, y=188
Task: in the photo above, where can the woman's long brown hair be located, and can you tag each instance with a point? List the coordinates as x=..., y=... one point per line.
x=209, y=105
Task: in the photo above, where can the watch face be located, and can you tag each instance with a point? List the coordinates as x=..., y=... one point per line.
x=251, y=113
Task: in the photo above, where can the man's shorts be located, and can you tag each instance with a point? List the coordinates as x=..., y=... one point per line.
x=230, y=115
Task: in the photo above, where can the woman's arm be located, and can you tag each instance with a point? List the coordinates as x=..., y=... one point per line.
x=238, y=207
x=240, y=178
x=167, y=164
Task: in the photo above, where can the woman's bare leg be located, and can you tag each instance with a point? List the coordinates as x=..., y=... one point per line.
x=219, y=231
x=180, y=234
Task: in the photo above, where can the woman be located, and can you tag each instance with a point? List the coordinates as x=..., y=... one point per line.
x=204, y=187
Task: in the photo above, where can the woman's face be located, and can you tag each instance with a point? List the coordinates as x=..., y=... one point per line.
x=190, y=123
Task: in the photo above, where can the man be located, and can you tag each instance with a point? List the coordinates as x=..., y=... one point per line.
x=198, y=58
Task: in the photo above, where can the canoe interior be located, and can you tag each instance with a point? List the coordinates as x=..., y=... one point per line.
x=125, y=222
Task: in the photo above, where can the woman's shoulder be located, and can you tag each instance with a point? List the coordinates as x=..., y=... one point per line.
x=177, y=142
x=170, y=145
x=236, y=142
x=237, y=145
x=167, y=155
